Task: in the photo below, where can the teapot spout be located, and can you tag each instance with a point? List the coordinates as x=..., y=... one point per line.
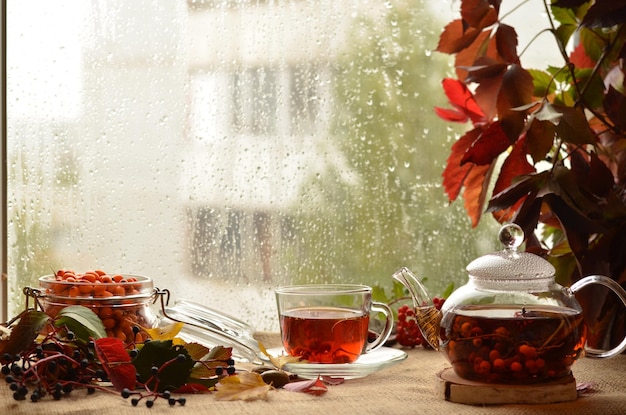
x=427, y=316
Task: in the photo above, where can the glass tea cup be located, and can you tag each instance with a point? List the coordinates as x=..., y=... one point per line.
x=329, y=323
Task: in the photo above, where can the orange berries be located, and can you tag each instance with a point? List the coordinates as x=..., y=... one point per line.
x=528, y=351
x=106, y=295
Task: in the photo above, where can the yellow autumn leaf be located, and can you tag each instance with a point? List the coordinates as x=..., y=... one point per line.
x=244, y=386
x=279, y=361
x=168, y=332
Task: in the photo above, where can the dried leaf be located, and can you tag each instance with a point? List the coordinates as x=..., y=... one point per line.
x=245, y=386
x=4, y=333
x=192, y=388
x=312, y=387
x=168, y=332
x=279, y=361
x=197, y=351
x=330, y=380
x=24, y=332
x=116, y=362
x=220, y=353
x=217, y=357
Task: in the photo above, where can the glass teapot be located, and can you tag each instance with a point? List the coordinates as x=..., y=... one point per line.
x=511, y=322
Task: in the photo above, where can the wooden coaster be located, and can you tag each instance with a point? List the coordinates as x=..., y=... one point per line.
x=455, y=389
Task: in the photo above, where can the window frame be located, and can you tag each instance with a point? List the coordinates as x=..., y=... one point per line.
x=3, y=171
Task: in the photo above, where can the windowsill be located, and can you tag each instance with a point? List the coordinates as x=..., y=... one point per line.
x=405, y=388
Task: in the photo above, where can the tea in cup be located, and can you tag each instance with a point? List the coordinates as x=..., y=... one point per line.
x=329, y=323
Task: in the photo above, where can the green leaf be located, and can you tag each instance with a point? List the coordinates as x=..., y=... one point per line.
x=542, y=82
x=565, y=16
x=565, y=32
x=594, y=45
x=379, y=294
x=24, y=332
x=82, y=321
x=593, y=93
x=449, y=289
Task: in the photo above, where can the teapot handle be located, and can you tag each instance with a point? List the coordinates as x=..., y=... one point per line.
x=619, y=291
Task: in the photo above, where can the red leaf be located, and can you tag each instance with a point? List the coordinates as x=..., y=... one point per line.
x=489, y=145
x=475, y=193
x=506, y=43
x=116, y=362
x=580, y=59
x=539, y=138
x=454, y=173
x=451, y=115
x=192, y=388
x=462, y=100
x=482, y=46
x=516, y=91
x=485, y=69
x=573, y=127
x=478, y=13
x=511, y=195
x=615, y=107
x=313, y=387
x=514, y=166
x=455, y=38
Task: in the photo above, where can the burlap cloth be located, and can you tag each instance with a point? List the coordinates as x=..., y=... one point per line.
x=406, y=388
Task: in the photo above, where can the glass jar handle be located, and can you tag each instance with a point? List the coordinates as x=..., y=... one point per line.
x=619, y=291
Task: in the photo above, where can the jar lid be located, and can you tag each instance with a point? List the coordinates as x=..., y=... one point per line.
x=509, y=263
x=124, y=286
x=211, y=328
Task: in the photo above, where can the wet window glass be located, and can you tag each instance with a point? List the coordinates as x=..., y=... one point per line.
x=224, y=148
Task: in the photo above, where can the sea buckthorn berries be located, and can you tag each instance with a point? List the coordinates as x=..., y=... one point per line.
x=120, y=301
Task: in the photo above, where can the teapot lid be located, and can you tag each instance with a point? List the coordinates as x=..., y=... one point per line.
x=509, y=263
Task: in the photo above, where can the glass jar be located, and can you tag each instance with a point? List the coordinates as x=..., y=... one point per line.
x=122, y=303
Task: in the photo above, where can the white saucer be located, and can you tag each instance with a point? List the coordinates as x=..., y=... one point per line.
x=366, y=364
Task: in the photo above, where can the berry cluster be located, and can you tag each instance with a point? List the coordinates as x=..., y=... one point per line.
x=526, y=348
x=408, y=333
x=55, y=367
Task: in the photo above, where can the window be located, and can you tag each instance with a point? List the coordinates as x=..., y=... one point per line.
x=226, y=147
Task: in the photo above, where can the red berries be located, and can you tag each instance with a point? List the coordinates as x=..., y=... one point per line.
x=408, y=333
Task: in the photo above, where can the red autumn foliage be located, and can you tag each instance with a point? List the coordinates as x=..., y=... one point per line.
x=116, y=362
x=553, y=140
